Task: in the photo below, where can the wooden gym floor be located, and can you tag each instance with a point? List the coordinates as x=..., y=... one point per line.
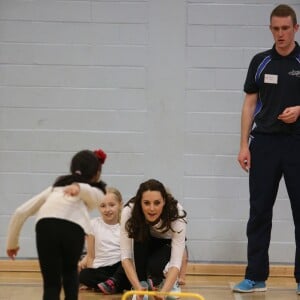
x=21, y=280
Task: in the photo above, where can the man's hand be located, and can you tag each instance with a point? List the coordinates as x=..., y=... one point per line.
x=290, y=114
x=244, y=159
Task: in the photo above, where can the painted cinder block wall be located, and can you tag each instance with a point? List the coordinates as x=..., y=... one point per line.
x=158, y=85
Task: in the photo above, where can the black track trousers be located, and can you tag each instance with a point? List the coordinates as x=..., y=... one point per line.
x=273, y=156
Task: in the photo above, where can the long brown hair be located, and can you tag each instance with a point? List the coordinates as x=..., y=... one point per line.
x=137, y=226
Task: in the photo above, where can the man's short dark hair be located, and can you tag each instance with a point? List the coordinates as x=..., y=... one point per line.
x=283, y=10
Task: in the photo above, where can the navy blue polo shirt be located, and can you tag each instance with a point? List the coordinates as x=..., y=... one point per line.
x=276, y=79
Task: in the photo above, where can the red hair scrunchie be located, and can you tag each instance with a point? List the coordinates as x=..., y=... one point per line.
x=101, y=155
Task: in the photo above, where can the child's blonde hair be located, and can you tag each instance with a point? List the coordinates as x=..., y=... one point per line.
x=118, y=195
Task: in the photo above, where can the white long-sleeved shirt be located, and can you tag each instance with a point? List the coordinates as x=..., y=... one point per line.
x=177, y=237
x=53, y=203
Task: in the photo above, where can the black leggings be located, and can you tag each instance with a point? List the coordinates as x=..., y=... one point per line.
x=59, y=245
x=91, y=277
x=151, y=257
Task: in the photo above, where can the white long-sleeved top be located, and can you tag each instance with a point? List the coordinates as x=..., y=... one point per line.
x=177, y=236
x=53, y=203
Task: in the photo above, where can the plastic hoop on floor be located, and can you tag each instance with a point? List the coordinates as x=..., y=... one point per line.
x=157, y=293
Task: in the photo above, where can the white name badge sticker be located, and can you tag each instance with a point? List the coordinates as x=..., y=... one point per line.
x=270, y=78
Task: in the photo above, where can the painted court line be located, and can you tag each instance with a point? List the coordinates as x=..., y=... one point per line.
x=237, y=296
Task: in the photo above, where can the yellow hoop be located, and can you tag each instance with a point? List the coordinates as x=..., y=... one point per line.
x=156, y=293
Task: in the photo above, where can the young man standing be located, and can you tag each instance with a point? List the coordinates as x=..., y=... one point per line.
x=270, y=120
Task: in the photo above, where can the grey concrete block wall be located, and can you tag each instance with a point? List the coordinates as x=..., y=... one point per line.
x=157, y=85
x=221, y=39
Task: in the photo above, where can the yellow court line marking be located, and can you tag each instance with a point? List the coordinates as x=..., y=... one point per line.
x=157, y=293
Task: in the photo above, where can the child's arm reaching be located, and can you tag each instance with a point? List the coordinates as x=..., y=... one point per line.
x=21, y=214
x=90, y=195
x=90, y=250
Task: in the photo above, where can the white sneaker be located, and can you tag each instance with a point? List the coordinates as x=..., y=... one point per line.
x=134, y=297
x=176, y=288
x=145, y=285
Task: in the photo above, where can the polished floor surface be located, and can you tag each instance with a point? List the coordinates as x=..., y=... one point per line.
x=27, y=285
